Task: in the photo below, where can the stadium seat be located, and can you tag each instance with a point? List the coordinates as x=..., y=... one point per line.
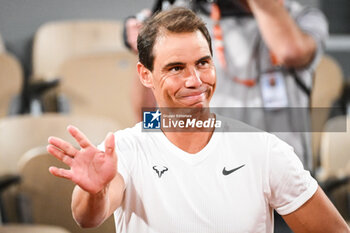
x=100, y=84
x=30, y=228
x=334, y=175
x=18, y=134
x=11, y=78
x=50, y=197
x=55, y=42
x=335, y=148
x=327, y=88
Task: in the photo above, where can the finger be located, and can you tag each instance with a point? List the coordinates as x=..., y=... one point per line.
x=131, y=24
x=60, y=155
x=79, y=136
x=147, y=12
x=109, y=144
x=66, y=147
x=59, y=172
x=55, y=152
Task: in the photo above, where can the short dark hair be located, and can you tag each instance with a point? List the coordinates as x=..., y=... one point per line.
x=176, y=20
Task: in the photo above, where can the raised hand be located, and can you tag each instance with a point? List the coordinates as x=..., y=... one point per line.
x=133, y=26
x=90, y=168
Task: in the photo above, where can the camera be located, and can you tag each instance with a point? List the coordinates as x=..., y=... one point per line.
x=228, y=8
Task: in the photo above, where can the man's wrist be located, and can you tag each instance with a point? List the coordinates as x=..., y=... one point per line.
x=102, y=192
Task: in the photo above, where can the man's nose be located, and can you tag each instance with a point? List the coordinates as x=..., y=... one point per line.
x=193, y=78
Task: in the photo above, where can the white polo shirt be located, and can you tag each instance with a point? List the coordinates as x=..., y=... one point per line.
x=231, y=185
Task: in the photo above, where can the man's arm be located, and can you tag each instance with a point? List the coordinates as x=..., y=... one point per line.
x=317, y=215
x=91, y=210
x=100, y=188
x=291, y=46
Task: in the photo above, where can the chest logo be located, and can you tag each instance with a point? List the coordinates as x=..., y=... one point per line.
x=160, y=170
x=228, y=172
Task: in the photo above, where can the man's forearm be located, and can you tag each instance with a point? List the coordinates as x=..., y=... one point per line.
x=318, y=215
x=282, y=35
x=90, y=210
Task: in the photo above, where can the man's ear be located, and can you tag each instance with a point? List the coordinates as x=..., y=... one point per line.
x=145, y=75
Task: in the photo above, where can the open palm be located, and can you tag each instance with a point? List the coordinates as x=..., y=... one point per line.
x=90, y=168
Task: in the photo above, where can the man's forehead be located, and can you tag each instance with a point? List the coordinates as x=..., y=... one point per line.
x=165, y=35
x=183, y=47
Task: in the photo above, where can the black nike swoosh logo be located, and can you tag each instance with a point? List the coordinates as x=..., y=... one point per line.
x=225, y=172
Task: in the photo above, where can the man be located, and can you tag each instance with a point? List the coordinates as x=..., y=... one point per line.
x=265, y=53
x=189, y=181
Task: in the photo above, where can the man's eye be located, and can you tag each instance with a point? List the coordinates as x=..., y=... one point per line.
x=175, y=68
x=203, y=63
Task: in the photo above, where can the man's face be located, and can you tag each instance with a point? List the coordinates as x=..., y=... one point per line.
x=184, y=73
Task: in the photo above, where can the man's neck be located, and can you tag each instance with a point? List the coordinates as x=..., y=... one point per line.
x=191, y=140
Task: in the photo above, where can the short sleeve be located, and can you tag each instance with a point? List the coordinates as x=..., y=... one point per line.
x=290, y=184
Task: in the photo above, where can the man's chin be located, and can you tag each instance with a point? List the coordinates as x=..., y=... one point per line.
x=200, y=104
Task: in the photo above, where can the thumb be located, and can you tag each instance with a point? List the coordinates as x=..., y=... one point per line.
x=109, y=144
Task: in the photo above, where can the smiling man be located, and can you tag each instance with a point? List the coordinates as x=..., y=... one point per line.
x=203, y=181
x=182, y=73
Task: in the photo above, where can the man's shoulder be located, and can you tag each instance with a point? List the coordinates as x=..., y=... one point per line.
x=129, y=139
x=246, y=134
x=235, y=126
x=136, y=135
x=131, y=133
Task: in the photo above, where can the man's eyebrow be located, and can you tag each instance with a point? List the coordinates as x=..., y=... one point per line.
x=203, y=59
x=173, y=64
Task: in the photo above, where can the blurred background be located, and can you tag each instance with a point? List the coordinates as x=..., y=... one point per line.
x=43, y=88
x=19, y=20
